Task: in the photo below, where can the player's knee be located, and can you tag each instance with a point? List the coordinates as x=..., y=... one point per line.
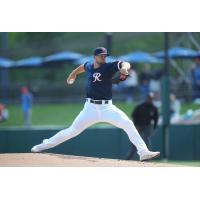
x=129, y=122
x=74, y=130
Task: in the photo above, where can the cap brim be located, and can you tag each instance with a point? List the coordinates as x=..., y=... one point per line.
x=102, y=54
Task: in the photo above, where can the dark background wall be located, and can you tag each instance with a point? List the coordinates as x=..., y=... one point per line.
x=184, y=142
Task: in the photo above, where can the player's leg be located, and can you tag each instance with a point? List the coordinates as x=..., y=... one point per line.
x=86, y=118
x=25, y=116
x=29, y=114
x=133, y=149
x=118, y=118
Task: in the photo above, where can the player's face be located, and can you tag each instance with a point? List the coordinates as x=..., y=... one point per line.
x=100, y=59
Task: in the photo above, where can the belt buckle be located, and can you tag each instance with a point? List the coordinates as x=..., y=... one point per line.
x=98, y=101
x=94, y=101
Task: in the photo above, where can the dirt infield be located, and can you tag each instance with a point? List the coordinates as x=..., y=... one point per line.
x=58, y=160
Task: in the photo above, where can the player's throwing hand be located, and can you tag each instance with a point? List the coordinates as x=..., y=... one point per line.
x=72, y=77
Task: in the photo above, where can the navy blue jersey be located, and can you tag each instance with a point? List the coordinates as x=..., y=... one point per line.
x=99, y=81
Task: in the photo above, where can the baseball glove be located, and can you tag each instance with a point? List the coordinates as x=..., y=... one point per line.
x=119, y=77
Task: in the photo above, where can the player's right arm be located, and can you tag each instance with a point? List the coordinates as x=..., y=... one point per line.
x=72, y=77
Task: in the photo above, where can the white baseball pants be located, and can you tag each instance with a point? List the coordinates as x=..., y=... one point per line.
x=94, y=113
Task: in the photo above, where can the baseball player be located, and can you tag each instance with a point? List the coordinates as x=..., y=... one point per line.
x=98, y=106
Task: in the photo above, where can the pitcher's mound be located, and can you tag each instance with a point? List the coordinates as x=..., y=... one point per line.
x=59, y=160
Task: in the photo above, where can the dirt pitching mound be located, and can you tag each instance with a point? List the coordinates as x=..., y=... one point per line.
x=58, y=160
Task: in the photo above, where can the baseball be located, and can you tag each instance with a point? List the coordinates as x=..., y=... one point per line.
x=71, y=81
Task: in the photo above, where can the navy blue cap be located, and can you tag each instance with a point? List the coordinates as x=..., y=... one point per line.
x=101, y=51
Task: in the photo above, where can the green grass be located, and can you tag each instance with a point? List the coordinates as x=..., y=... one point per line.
x=51, y=114
x=61, y=114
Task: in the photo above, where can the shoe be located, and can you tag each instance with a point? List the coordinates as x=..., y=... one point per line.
x=37, y=149
x=149, y=155
x=40, y=147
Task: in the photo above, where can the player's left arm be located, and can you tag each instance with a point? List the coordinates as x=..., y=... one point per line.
x=120, y=71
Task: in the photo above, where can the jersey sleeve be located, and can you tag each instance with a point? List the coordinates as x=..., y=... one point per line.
x=115, y=66
x=85, y=65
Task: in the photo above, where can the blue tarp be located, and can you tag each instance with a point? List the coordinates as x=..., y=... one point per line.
x=67, y=56
x=140, y=57
x=177, y=52
x=91, y=58
x=5, y=63
x=198, y=54
x=29, y=62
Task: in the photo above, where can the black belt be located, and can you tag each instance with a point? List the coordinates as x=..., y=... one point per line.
x=97, y=101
